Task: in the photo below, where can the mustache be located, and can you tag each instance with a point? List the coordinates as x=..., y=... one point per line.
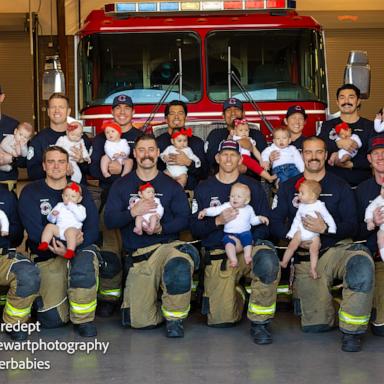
x=343, y=105
x=148, y=158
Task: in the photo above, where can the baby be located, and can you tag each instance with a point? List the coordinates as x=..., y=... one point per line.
x=179, y=140
x=377, y=203
x=74, y=139
x=116, y=149
x=309, y=192
x=148, y=221
x=16, y=144
x=4, y=224
x=237, y=230
x=344, y=131
x=66, y=220
x=240, y=133
x=289, y=163
x=379, y=121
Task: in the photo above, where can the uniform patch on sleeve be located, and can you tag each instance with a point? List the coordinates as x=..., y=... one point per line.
x=206, y=144
x=195, y=206
x=31, y=153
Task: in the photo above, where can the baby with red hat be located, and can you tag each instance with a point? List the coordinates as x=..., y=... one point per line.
x=73, y=139
x=115, y=149
x=309, y=205
x=66, y=220
x=148, y=221
x=343, y=131
x=179, y=143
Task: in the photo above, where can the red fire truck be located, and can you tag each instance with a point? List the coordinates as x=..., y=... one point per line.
x=202, y=52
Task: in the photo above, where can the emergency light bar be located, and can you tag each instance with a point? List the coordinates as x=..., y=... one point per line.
x=138, y=7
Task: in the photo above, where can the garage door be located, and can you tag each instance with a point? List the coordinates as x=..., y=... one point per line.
x=338, y=45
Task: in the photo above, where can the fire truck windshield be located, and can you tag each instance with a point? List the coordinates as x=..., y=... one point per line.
x=272, y=65
x=142, y=65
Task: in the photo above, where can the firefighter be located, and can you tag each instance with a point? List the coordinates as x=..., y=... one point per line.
x=156, y=258
x=68, y=288
x=110, y=288
x=232, y=109
x=224, y=297
x=366, y=192
x=357, y=169
x=7, y=126
x=18, y=275
x=175, y=115
x=58, y=111
x=339, y=257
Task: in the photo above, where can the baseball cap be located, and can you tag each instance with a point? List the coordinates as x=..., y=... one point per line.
x=375, y=143
x=229, y=144
x=122, y=99
x=232, y=102
x=296, y=109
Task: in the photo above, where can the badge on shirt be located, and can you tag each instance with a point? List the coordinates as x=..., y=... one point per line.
x=215, y=202
x=332, y=134
x=45, y=207
x=195, y=206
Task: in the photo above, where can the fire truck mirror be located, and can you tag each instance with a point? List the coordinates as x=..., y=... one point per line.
x=358, y=72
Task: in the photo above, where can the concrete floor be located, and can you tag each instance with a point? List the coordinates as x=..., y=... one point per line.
x=205, y=355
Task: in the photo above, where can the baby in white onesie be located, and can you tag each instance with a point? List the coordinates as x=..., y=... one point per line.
x=344, y=131
x=148, y=221
x=309, y=192
x=369, y=212
x=379, y=121
x=179, y=140
x=115, y=149
x=66, y=220
x=74, y=140
x=16, y=144
x=237, y=232
x=4, y=224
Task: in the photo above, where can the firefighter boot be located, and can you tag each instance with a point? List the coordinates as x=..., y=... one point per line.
x=105, y=308
x=350, y=343
x=175, y=328
x=86, y=329
x=260, y=333
x=18, y=335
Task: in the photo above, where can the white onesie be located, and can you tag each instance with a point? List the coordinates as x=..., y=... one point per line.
x=310, y=209
x=343, y=152
x=67, y=144
x=379, y=125
x=178, y=170
x=4, y=222
x=8, y=145
x=70, y=216
x=288, y=155
x=159, y=209
x=113, y=147
x=244, y=151
x=241, y=223
x=377, y=203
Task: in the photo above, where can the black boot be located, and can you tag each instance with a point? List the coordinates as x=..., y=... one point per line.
x=105, y=308
x=175, y=328
x=350, y=343
x=18, y=335
x=86, y=329
x=261, y=334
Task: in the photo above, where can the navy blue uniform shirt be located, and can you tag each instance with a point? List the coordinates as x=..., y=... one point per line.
x=197, y=146
x=212, y=192
x=217, y=135
x=337, y=197
x=39, y=143
x=98, y=152
x=361, y=168
x=122, y=195
x=366, y=192
x=36, y=202
x=7, y=127
x=8, y=204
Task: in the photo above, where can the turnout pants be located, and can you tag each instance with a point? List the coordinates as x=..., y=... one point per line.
x=22, y=279
x=163, y=266
x=350, y=263
x=68, y=289
x=224, y=297
x=378, y=299
x=111, y=276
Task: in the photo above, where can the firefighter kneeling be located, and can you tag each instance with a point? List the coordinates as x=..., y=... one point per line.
x=150, y=209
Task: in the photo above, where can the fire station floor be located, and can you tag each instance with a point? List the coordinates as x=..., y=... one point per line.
x=205, y=355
